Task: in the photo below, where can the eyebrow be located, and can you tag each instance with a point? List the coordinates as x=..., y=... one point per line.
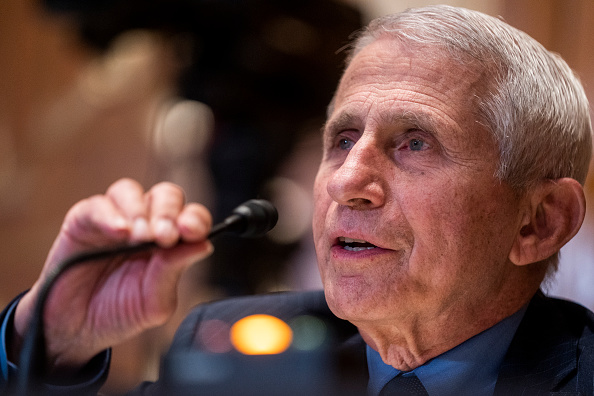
x=419, y=119
x=343, y=121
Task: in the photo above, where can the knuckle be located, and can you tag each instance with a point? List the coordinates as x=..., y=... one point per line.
x=201, y=211
x=124, y=184
x=85, y=205
x=168, y=189
x=82, y=212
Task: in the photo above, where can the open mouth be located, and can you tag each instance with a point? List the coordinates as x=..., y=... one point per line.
x=354, y=245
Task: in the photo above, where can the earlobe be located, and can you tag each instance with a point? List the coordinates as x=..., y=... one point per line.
x=555, y=212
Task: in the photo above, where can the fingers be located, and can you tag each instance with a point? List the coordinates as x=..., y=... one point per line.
x=165, y=203
x=159, y=214
x=127, y=196
x=95, y=219
x=194, y=222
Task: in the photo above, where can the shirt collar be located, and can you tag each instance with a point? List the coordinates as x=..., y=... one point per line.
x=470, y=368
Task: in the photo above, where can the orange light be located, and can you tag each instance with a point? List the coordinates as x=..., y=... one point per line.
x=261, y=335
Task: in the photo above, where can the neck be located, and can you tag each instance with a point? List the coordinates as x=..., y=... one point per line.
x=410, y=342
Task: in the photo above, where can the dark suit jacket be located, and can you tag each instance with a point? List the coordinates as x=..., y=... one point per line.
x=551, y=353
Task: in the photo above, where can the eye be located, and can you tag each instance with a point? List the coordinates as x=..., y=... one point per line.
x=413, y=144
x=416, y=144
x=345, y=144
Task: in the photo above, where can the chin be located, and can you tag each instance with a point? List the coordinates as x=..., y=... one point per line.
x=350, y=304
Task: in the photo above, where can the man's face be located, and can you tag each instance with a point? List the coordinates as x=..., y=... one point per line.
x=410, y=221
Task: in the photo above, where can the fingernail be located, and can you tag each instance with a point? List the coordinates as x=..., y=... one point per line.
x=120, y=223
x=140, y=229
x=193, y=224
x=164, y=229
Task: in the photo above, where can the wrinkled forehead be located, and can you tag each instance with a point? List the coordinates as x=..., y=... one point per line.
x=455, y=72
x=387, y=68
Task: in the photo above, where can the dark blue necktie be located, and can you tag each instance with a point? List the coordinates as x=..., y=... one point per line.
x=401, y=385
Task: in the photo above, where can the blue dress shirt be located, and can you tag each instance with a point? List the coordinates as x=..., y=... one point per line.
x=470, y=369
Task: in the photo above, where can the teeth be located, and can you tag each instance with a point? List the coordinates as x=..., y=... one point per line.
x=357, y=248
x=355, y=245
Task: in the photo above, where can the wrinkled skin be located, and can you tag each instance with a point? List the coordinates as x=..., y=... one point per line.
x=409, y=170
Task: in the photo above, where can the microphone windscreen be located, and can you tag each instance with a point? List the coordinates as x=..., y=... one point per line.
x=258, y=217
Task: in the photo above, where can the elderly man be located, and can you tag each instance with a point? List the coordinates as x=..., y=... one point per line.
x=453, y=161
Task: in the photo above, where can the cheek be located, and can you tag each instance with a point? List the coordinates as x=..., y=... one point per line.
x=463, y=228
x=321, y=204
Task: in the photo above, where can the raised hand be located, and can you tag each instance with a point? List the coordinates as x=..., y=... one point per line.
x=99, y=304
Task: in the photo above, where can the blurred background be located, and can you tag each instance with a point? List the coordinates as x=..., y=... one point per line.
x=225, y=98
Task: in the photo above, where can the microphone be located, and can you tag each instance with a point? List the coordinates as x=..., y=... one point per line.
x=251, y=219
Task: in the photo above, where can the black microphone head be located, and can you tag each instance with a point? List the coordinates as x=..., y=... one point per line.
x=258, y=217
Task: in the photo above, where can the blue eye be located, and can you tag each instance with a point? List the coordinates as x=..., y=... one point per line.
x=416, y=144
x=345, y=144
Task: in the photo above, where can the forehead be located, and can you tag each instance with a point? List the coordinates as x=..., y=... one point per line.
x=389, y=81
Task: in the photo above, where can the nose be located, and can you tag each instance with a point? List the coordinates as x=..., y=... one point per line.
x=359, y=182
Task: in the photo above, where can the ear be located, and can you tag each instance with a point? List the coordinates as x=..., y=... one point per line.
x=555, y=212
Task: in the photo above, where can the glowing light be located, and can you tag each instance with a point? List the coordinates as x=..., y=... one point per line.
x=261, y=335
x=310, y=332
x=213, y=336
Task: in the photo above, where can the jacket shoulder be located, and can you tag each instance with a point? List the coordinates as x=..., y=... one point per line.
x=552, y=351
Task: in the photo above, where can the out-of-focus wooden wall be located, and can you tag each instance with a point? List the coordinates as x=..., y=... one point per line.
x=561, y=26
x=71, y=123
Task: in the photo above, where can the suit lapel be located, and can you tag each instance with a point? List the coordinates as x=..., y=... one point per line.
x=542, y=355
